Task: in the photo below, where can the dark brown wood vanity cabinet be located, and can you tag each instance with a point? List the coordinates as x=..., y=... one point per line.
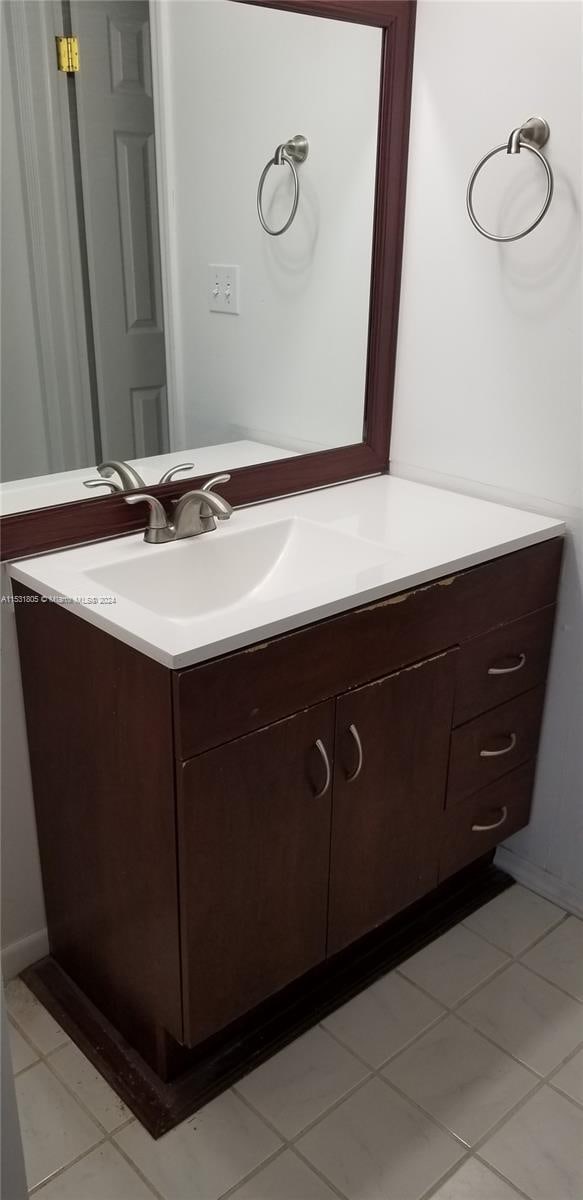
x=211, y=835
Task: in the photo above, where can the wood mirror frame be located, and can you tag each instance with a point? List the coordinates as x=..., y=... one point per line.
x=37, y=530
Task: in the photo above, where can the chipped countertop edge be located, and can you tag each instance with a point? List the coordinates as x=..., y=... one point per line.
x=255, y=622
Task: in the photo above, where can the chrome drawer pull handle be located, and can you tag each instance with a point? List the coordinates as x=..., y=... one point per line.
x=322, y=749
x=497, y=753
x=494, y=825
x=354, y=731
x=508, y=670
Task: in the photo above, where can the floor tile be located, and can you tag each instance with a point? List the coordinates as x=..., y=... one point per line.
x=101, y=1175
x=204, y=1156
x=528, y=1017
x=453, y=965
x=559, y=957
x=81, y=1077
x=23, y=1055
x=383, y=1019
x=514, y=919
x=32, y=1018
x=375, y=1145
x=539, y=1148
x=570, y=1078
x=55, y=1130
x=300, y=1083
x=286, y=1178
x=462, y=1080
x=474, y=1181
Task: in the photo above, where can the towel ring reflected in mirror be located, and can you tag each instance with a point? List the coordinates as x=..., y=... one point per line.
x=530, y=136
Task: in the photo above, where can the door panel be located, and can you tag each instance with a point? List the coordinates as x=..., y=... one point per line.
x=254, y=852
x=118, y=166
x=390, y=773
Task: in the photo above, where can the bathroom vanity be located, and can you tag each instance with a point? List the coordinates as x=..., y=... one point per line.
x=243, y=816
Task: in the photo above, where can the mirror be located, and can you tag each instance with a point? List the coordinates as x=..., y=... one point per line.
x=158, y=308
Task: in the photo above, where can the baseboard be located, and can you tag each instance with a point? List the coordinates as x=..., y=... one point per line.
x=540, y=881
x=16, y=956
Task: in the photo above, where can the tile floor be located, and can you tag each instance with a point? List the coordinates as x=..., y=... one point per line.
x=459, y=1077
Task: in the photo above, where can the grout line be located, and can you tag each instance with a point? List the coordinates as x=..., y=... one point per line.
x=501, y=1049
x=498, y=1125
x=457, y=1137
x=316, y=1170
x=75, y=1096
x=453, y=1005
x=290, y=1141
x=567, y=1059
x=25, y=1070
x=413, y=983
x=529, y=946
x=134, y=1166
x=406, y=1046
x=61, y=1170
x=559, y=1092
x=266, y=1162
x=256, y=1113
x=551, y=982
x=25, y=1038
x=509, y=1183
x=435, y=1187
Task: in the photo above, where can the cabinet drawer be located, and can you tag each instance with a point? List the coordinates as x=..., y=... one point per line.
x=502, y=664
x=224, y=699
x=494, y=743
x=490, y=816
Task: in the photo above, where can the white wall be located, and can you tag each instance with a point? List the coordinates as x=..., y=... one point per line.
x=237, y=81
x=489, y=381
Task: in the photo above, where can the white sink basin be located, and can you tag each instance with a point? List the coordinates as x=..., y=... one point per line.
x=197, y=576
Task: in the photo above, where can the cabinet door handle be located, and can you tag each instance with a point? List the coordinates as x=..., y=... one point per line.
x=322, y=751
x=494, y=825
x=508, y=670
x=505, y=750
x=356, y=736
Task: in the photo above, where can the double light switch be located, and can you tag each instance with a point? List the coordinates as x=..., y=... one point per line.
x=223, y=288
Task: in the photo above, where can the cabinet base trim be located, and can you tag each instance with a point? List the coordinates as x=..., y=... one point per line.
x=226, y=1058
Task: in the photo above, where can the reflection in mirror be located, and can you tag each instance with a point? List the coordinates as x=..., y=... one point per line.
x=148, y=314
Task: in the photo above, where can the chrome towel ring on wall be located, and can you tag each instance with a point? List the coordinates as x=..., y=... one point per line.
x=530, y=136
x=289, y=153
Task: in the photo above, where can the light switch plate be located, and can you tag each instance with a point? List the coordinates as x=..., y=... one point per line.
x=223, y=288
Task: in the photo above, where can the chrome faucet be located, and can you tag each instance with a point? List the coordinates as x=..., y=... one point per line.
x=194, y=513
x=129, y=479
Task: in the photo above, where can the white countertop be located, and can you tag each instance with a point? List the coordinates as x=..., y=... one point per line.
x=411, y=533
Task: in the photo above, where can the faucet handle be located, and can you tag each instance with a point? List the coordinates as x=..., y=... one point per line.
x=158, y=529
x=210, y=484
x=168, y=475
x=130, y=480
x=209, y=487
x=106, y=483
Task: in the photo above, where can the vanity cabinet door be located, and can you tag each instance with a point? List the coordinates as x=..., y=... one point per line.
x=254, y=852
x=392, y=744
